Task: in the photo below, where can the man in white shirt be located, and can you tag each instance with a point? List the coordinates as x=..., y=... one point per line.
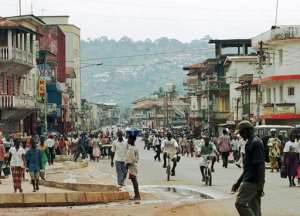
x=51, y=147
x=118, y=155
x=170, y=149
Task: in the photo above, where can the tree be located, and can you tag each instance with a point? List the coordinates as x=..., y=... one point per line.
x=160, y=92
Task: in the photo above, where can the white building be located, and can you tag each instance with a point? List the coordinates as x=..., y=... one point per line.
x=280, y=74
x=237, y=67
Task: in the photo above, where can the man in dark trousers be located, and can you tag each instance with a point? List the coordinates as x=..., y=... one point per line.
x=250, y=185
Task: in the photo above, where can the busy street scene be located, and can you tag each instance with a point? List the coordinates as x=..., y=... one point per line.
x=149, y=108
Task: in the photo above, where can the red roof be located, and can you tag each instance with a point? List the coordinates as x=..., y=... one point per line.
x=282, y=116
x=281, y=77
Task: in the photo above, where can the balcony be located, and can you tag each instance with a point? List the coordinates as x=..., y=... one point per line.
x=15, y=59
x=281, y=108
x=8, y=102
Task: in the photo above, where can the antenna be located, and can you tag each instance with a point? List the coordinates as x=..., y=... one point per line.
x=20, y=6
x=276, y=16
x=31, y=7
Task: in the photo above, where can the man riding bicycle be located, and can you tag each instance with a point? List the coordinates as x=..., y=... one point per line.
x=207, y=151
x=170, y=149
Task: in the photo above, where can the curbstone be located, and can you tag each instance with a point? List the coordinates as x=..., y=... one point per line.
x=11, y=198
x=60, y=199
x=94, y=197
x=56, y=198
x=34, y=198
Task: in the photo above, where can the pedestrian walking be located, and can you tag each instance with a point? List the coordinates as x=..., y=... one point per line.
x=118, y=155
x=235, y=148
x=250, y=185
x=224, y=147
x=274, y=145
x=44, y=157
x=157, y=147
x=291, y=158
x=132, y=158
x=96, y=147
x=34, y=164
x=50, y=143
x=2, y=156
x=17, y=163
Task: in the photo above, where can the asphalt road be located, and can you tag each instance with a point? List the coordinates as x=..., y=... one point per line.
x=279, y=198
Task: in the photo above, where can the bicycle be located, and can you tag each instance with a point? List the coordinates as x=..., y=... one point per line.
x=207, y=169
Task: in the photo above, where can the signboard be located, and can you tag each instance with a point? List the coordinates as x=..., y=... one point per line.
x=285, y=109
x=42, y=88
x=268, y=110
x=194, y=103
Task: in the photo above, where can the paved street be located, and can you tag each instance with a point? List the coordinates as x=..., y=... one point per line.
x=279, y=199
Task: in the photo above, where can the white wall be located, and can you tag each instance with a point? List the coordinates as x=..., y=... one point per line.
x=235, y=70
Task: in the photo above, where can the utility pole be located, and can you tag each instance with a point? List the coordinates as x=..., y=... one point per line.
x=258, y=90
x=208, y=106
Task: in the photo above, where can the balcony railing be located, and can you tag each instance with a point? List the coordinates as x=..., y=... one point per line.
x=281, y=108
x=16, y=55
x=17, y=102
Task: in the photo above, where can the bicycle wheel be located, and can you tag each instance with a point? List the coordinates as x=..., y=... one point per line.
x=209, y=177
x=206, y=177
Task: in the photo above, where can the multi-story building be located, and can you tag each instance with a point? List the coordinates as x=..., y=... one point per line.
x=210, y=96
x=52, y=65
x=280, y=76
x=72, y=37
x=18, y=73
x=238, y=69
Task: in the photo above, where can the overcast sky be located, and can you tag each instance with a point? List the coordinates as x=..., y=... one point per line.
x=181, y=19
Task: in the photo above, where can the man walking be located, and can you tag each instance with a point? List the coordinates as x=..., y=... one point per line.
x=250, y=185
x=50, y=143
x=119, y=152
x=224, y=147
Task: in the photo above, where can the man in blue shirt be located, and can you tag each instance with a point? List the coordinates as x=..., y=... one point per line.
x=34, y=160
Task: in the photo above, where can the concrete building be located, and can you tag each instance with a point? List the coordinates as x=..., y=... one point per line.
x=72, y=35
x=208, y=87
x=280, y=74
x=18, y=73
x=237, y=66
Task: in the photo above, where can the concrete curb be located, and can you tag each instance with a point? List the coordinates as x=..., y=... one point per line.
x=78, y=165
x=60, y=199
x=80, y=187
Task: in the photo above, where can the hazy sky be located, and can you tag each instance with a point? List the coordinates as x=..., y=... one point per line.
x=181, y=19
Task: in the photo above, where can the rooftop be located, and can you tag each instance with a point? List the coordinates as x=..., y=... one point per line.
x=231, y=42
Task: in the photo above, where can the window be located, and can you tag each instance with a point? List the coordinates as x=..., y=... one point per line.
x=274, y=58
x=274, y=95
x=280, y=56
x=291, y=91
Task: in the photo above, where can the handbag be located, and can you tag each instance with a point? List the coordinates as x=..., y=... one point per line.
x=283, y=171
x=6, y=170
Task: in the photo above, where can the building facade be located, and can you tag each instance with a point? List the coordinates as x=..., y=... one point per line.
x=280, y=76
x=18, y=74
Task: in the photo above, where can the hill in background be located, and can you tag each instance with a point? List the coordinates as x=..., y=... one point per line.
x=132, y=69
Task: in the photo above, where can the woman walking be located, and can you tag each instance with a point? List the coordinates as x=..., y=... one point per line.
x=17, y=162
x=96, y=148
x=274, y=153
x=44, y=157
x=131, y=161
x=2, y=156
x=291, y=158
